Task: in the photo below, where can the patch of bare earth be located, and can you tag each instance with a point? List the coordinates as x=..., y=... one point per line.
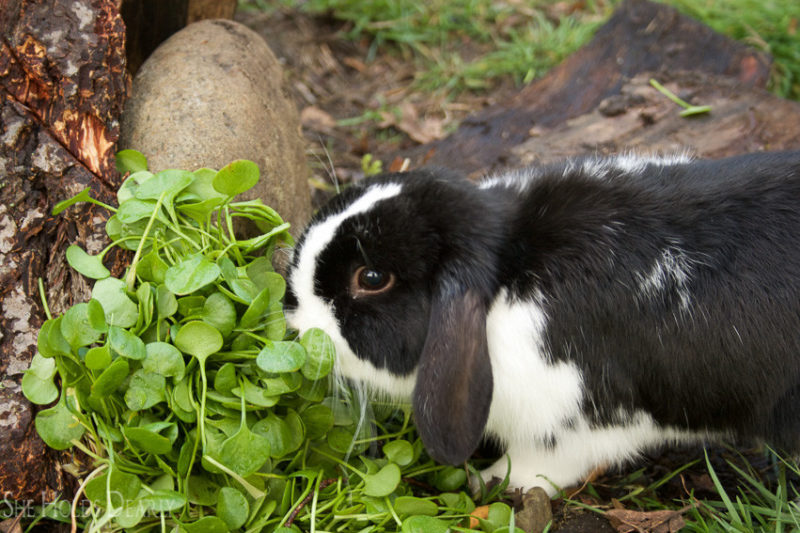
x=355, y=102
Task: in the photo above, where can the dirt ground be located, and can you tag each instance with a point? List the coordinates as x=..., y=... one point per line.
x=351, y=107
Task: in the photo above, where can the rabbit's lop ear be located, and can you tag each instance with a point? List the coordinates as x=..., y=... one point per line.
x=454, y=380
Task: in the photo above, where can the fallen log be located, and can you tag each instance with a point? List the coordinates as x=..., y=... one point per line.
x=599, y=100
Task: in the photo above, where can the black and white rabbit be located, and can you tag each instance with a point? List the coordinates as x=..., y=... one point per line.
x=577, y=313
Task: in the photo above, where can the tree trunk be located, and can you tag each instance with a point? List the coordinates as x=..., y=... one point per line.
x=62, y=87
x=151, y=22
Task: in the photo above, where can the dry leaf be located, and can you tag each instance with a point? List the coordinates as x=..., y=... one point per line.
x=316, y=119
x=481, y=512
x=12, y=525
x=420, y=130
x=355, y=64
x=399, y=164
x=626, y=521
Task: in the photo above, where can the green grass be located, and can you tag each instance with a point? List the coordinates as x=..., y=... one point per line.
x=753, y=506
x=769, y=25
x=469, y=44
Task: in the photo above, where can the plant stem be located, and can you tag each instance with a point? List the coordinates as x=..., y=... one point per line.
x=131, y=277
x=43, y=296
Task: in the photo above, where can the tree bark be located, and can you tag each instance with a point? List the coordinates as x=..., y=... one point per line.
x=62, y=87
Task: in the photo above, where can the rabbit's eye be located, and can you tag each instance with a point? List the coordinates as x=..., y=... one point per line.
x=367, y=281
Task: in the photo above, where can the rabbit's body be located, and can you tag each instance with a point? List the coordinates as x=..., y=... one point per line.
x=577, y=313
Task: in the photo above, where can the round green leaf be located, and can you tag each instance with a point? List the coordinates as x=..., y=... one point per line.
x=202, y=490
x=399, y=451
x=244, y=452
x=200, y=211
x=191, y=274
x=38, y=390
x=135, y=210
x=198, y=339
x=119, y=309
x=236, y=177
x=232, y=507
x=90, y=266
x=220, y=312
x=257, y=308
x=207, y=524
x=164, y=359
x=450, y=479
x=152, y=268
x=225, y=379
x=128, y=188
x=202, y=186
x=277, y=433
x=148, y=440
x=283, y=383
x=424, y=524
x=126, y=344
x=281, y=356
x=191, y=305
x=42, y=367
x=254, y=394
x=58, y=426
x=96, y=316
x=318, y=420
x=320, y=354
x=457, y=500
x=130, y=161
x=124, y=488
x=275, y=322
x=383, y=482
x=76, y=327
x=166, y=303
x=182, y=395
x=297, y=429
x=51, y=342
x=130, y=515
x=409, y=505
x=500, y=514
x=111, y=378
x=164, y=500
x=145, y=390
x=98, y=358
x=169, y=182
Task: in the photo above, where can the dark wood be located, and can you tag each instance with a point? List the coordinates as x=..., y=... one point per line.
x=151, y=22
x=62, y=87
x=641, y=36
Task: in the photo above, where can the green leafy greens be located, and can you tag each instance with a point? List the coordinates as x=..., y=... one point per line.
x=197, y=409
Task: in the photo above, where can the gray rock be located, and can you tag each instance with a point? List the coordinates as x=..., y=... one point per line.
x=213, y=93
x=536, y=512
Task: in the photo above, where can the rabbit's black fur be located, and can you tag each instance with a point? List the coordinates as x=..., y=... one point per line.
x=576, y=312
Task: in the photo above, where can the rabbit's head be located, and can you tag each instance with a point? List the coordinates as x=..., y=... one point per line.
x=400, y=271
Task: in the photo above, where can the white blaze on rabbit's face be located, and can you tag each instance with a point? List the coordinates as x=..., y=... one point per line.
x=315, y=312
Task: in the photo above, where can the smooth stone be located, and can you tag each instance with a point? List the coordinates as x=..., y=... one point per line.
x=536, y=512
x=212, y=93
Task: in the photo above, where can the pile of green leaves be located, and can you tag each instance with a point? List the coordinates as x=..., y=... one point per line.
x=194, y=409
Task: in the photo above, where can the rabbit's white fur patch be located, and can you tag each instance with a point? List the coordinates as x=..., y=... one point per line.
x=536, y=407
x=525, y=378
